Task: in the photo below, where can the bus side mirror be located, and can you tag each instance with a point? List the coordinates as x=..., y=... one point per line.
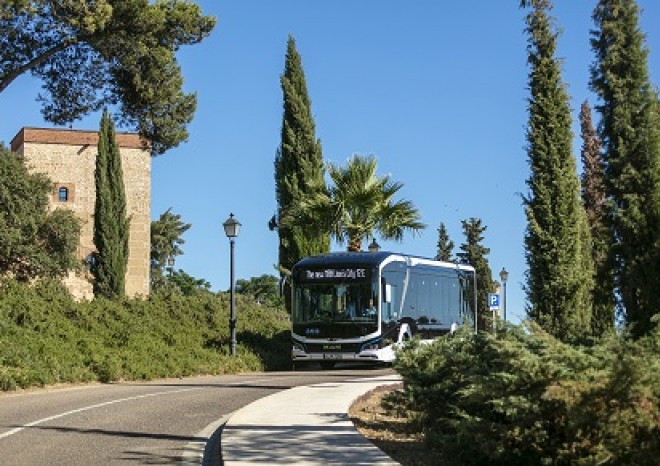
x=282, y=285
x=387, y=293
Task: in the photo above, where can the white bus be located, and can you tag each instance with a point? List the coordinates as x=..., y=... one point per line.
x=360, y=306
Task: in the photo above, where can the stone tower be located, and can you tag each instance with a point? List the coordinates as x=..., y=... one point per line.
x=68, y=158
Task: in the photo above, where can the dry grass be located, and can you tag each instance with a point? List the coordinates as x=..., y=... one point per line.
x=394, y=435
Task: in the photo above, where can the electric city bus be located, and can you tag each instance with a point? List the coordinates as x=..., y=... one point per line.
x=359, y=306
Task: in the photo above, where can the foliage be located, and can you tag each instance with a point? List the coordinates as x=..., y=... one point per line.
x=34, y=242
x=93, y=54
x=299, y=169
x=49, y=338
x=630, y=132
x=357, y=204
x=187, y=284
x=523, y=397
x=445, y=245
x=166, y=241
x=473, y=252
x=594, y=199
x=264, y=289
x=560, y=275
x=111, y=225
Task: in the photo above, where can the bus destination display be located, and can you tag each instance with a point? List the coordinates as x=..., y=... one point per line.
x=333, y=274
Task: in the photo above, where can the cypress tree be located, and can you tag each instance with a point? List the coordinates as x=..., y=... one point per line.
x=475, y=253
x=111, y=226
x=445, y=245
x=560, y=274
x=299, y=169
x=595, y=204
x=630, y=132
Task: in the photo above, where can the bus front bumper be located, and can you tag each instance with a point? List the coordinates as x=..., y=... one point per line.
x=367, y=355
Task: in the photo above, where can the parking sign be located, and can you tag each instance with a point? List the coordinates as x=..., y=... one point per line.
x=494, y=301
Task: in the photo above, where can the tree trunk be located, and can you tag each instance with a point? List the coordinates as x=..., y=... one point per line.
x=355, y=244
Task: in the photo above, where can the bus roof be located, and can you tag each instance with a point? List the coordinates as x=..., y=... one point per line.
x=367, y=258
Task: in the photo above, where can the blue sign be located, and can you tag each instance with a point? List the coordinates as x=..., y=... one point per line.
x=493, y=301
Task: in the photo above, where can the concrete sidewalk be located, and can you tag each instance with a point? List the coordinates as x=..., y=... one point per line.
x=303, y=426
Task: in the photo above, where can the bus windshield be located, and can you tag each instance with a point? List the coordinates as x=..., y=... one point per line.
x=335, y=303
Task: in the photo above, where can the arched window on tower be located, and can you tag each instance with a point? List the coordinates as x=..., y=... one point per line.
x=63, y=194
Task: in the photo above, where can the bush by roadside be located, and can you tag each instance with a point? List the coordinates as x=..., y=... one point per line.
x=47, y=338
x=522, y=397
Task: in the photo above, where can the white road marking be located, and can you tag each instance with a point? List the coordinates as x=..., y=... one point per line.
x=194, y=453
x=87, y=408
x=107, y=403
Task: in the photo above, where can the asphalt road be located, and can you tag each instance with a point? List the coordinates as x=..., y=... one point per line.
x=159, y=422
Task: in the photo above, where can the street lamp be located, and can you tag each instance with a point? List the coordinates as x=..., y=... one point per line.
x=232, y=226
x=504, y=275
x=374, y=246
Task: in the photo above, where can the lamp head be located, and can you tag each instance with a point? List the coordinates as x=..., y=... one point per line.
x=231, y=226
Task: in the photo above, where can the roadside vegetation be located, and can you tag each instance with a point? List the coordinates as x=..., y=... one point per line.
x=48, y=338
x=520, y=397
x=577, y=384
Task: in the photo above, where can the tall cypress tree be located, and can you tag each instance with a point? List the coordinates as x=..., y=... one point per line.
x=299, y=169
x=111, y=225
x=445, y=245
x=560, y=274
x=630, y=132
x=475, y=253
x=596, y=207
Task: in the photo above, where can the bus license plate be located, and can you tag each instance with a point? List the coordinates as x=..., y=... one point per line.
x=332, y=356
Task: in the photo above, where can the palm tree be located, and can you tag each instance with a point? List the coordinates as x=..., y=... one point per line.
x=358, y=204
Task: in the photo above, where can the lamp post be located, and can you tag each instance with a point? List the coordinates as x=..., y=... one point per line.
x=374, y=246
x=504, y=275
x=232, y=226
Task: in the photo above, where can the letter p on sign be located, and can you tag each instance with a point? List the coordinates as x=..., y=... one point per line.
x=493, y=301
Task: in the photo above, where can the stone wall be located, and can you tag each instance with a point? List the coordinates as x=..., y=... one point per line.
x=68, y=158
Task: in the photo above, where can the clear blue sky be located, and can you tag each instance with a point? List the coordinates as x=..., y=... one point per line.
x=435, y=89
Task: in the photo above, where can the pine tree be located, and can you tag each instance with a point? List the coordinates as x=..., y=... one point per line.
x=111, y=225
x=445, y=245
x=166, y=240
x=595, y=204
x=560, y=275
x=90, y=54
x=299, y=169
x=630, y=132
x=475, y=253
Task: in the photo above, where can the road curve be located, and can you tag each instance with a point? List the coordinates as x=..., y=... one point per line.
x=159, y=422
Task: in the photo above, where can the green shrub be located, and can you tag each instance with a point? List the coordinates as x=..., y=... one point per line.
x=46, y=337
x=525, y=398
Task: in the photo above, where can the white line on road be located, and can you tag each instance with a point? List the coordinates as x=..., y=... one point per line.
x=87, y=408
x=107, y=403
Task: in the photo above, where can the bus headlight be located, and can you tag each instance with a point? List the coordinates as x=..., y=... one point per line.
x=298, y=347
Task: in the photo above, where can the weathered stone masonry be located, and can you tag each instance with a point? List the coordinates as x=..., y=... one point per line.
x=68, y=158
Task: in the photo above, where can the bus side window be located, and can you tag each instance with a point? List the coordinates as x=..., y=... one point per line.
x=389, y=314
x=387, y=292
